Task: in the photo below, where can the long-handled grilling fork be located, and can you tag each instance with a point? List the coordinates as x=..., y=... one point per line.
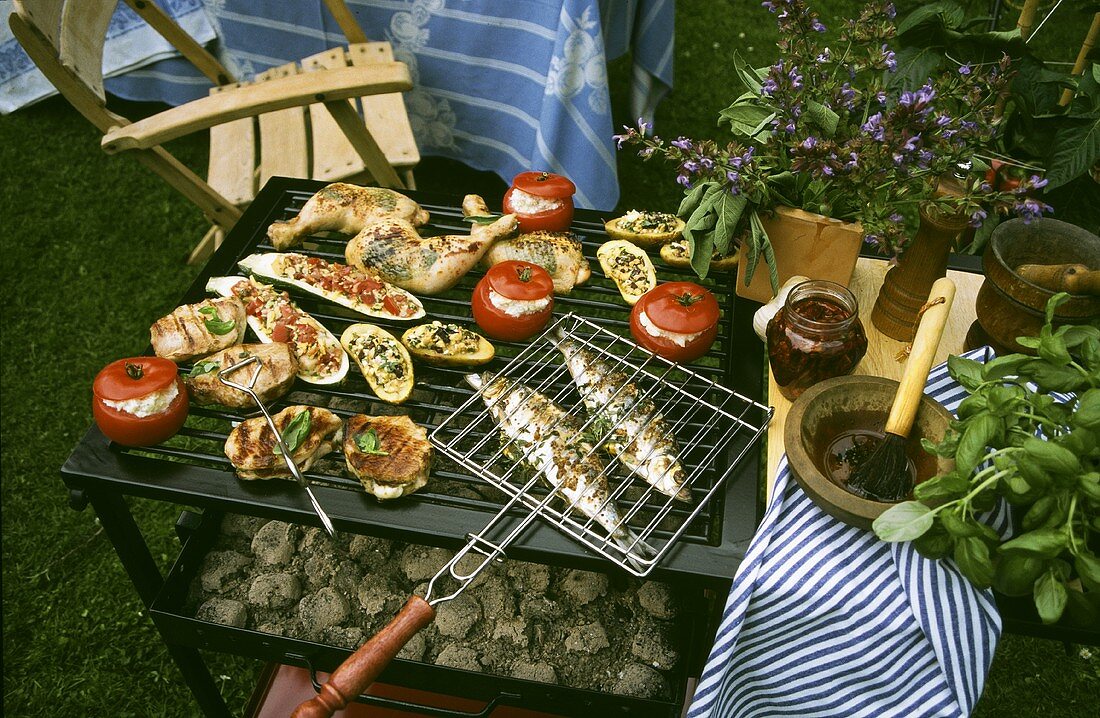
x=250, y=390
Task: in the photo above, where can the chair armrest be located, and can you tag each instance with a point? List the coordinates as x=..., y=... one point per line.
x=256, y=99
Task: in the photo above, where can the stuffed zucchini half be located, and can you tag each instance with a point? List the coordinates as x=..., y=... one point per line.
x=630, y=268
x=442, y=344
x=347, y=286
x=275, y=318
x=385, y=363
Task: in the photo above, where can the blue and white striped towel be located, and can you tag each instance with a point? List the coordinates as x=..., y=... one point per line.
x=824, y=619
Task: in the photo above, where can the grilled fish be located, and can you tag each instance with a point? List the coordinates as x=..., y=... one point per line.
x=390, y=455
x=641, y=438
x=195, y=330
x=251, y=445
x=279, y=366
x=550, y=441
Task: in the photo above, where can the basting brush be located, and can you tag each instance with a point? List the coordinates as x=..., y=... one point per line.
x=885, y=475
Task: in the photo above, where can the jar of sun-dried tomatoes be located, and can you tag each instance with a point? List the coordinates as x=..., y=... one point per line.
x=816, y=335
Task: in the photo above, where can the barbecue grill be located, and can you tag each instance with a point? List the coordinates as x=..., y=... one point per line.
x=698, y=544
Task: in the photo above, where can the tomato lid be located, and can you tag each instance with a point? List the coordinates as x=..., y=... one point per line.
x=544, y=184
x=520, y=280
x=682, y=307
x=133, y=377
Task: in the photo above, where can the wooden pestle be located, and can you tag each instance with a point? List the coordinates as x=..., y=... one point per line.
x=1072, y=278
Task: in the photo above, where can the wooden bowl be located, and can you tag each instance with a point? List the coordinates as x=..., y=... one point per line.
x=844, y=404
x=1009, y=306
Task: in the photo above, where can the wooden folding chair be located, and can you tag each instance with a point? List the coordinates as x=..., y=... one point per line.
x=332, y=116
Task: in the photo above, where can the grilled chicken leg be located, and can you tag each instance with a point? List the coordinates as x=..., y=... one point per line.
x=394, y=251
x=345, y=208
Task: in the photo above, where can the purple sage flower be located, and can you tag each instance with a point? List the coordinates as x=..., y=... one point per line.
x=817, y=26
x=809, y=143
x=733, y=177
x=1031, y=209
x=1038, y=182
x=977, y=218
x=823, y=57
x=965, y=69
x=895, y=217
x=889, y=59
x=682, y=143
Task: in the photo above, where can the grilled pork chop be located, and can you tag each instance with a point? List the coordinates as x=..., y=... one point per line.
x=278, y=368
x=345, y=208
x=251, y=446
x=390, y=455
x=195, y=330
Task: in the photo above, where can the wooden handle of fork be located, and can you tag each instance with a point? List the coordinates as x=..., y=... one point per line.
x=362, y=667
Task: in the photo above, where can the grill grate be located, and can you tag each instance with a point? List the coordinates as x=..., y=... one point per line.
x=714, y=426
x=439, y=391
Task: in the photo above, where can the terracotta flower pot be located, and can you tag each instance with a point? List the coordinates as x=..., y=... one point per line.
x=805, y=243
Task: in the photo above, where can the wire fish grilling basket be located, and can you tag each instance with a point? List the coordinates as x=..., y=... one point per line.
x=713, y=428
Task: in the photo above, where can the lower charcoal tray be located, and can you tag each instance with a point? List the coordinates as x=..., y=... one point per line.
x=578, y=637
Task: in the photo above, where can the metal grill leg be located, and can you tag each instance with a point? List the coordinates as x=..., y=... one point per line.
x=119, y=525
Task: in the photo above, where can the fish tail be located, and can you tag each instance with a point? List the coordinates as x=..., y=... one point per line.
x=635, y=550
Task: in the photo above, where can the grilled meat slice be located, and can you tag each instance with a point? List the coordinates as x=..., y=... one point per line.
x=559, y=253
x=195, y=330
x=345, y=208
x=278, y=368
x=251, y=446
x=392, y=461
x=394, y=251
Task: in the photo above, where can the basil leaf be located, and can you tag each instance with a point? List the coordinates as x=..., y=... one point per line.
x=368, y=443
x=1088, y=569
x=1087, y=414
x=295, y=432
x=215, y=325
x=903, y=522
x=942, y=488
x=1016, y=574
x=482, y=218
x=965, y=371
x=1051, y=457
x=1037, y=515
x=1050, y=597
x=1045, y=542
x=1004, y=366
x=957, y=525
x=980, y=431
x=972, y=557
x=1052, y=348
x=203, y=367
x=934, y=543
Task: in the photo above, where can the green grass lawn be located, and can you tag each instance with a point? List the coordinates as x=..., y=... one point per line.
x=92, y=255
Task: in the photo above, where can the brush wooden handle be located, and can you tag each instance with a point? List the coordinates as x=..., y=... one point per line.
x=925, y=344
x=361, y=668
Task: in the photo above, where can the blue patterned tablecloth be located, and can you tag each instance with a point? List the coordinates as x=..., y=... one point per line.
x=500, y=85
x=823, y=619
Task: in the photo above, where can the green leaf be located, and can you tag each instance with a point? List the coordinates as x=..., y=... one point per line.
x=1089, y=485
x=203, y=367
x=295, y=432
x=1052, y=348
x=965, y=371
x=1044, y=542
x=934, y=543
x=945, y=487
x=1053, y=378
x=1016, y=573
x=1075, y=148
x=215, y=325
x=1088, y=569
x=937, y=14
x=823, y=117
x=481, y=218
x=1007, y=365
x=749, y=76
x=1053, y=303
x=915, y=66
x=368, y=443
x=958, y=526
x=1050, y=597
x=972, y=557
x=729, y=210
x=691, y=200
x=746, y=119
x=1051, y=457
x=979, y=433
x=903, y=522
x=1075, y=335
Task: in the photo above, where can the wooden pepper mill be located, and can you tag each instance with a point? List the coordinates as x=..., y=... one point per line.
x=906, y=286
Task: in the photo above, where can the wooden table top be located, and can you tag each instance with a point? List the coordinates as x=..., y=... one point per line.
x=881, y=350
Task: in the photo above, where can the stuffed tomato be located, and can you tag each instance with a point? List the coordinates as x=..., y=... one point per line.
x=139, y=401
x=513, y=301
x=676, y=320
x=540, y=201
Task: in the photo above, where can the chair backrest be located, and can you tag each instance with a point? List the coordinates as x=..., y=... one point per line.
x=65, y=40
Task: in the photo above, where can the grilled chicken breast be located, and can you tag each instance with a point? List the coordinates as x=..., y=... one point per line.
x=559, y=253
x=394, y=251
x=390, y=455
x=345, y=208
x=278, y=368
x=195, y=330
x=251, y=445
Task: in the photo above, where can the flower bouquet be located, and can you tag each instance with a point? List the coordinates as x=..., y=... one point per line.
x=823, y=130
